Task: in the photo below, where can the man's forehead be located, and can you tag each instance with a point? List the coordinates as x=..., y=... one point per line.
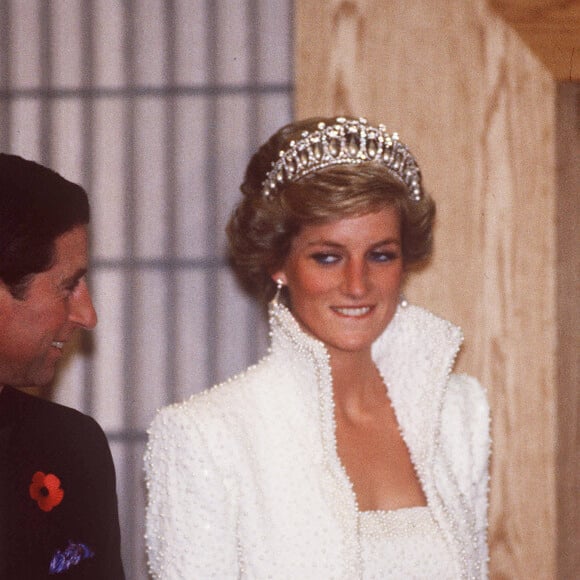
x=71, y=251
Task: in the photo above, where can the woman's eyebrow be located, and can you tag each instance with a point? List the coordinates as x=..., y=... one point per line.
x=330, y=243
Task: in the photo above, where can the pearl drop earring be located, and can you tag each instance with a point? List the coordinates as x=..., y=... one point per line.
x=279, y=286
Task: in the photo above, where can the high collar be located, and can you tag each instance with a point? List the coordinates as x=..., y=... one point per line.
x=414, y=355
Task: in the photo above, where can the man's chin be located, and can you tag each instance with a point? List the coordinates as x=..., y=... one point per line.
x=28, y=387
x=40, y=381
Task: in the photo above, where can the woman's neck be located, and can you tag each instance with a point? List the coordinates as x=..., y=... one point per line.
x=357, y=383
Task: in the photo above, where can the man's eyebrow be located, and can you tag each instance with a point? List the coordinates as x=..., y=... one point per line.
x=75, y=276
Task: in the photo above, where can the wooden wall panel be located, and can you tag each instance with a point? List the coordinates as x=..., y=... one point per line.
x=478, y=109
x=551, y=28
x=568, y=296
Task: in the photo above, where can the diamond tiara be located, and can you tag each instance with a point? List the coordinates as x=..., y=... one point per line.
x=345, y=142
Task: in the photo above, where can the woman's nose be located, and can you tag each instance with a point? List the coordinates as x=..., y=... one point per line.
x=356, y=279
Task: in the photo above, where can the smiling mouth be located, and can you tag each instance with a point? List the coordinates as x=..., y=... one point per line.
x=354, y=312
x=58, y=344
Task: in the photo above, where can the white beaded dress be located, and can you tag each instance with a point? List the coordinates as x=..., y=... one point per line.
x=403, y=544
x=244, y=480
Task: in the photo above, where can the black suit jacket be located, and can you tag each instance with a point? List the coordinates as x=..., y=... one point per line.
x=37, y=435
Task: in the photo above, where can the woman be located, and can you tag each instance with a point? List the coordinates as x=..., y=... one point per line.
x=350, y=450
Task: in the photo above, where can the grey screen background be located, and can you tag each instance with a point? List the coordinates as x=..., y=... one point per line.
x=154, y=106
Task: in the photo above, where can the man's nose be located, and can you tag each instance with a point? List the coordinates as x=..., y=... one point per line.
x=82, y=310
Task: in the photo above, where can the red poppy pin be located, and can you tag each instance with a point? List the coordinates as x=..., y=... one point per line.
x=45, y=490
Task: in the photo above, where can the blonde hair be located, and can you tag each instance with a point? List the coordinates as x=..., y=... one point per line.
x=261, y=229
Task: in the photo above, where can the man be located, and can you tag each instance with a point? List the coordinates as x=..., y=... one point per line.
x=58, y=504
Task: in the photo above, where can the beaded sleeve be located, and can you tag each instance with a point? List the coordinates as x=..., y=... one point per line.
x=190, y=519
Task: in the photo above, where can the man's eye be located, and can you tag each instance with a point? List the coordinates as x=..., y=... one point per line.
x=72, y=286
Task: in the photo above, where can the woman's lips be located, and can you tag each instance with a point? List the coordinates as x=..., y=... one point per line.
x=355, y=312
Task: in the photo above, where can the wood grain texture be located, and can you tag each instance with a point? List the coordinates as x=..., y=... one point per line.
x=568, y=296
x=552, y=30
x=478, y=109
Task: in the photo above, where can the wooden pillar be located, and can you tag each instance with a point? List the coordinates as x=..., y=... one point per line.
x=568, y=332
x=478, y=108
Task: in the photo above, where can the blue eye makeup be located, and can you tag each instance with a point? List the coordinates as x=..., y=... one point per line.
x=325, y=258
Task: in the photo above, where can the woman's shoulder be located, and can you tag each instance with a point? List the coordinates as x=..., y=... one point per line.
x=228, y=402
x=466, y=412
x=467, y=395
x=466, y=388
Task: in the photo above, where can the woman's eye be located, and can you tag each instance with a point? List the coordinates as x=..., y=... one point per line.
x=383, y=256
x=322, y=258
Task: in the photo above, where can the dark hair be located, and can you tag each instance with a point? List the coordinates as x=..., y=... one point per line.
x=261, y=229
x=37, y=205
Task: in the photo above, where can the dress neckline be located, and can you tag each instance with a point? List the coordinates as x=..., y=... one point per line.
x=396, y=511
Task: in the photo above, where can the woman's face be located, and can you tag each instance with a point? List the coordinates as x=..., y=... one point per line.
x=344, y=278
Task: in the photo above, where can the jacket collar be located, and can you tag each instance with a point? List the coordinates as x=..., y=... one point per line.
x=415, y=356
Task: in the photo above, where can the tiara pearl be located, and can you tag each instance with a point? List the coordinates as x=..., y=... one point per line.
x=346, y=142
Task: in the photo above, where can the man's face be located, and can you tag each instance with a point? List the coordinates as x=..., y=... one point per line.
x=33, y=331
